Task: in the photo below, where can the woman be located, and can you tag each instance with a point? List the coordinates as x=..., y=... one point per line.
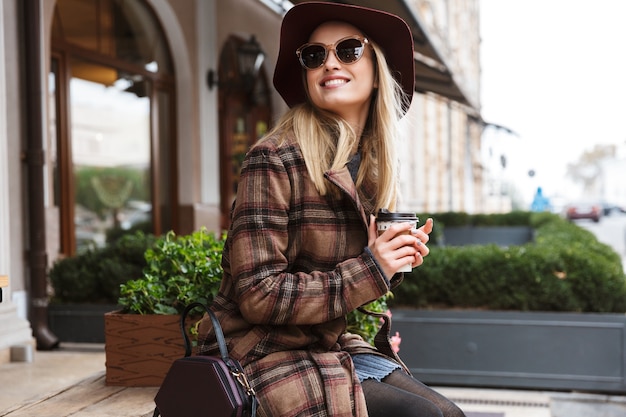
x=303, y=251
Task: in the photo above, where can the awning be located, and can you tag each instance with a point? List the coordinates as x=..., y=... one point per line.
x=431, y=72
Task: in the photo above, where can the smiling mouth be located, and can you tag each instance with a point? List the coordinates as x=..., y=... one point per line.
x=337, y=81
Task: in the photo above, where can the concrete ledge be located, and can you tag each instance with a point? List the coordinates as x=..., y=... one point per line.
x=585, y=405
x=484, y=402
x=14, y=331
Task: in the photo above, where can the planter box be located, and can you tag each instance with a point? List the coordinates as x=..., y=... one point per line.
x=552, y=351
x=140, y=349
x=79, y=323
x=483, y=235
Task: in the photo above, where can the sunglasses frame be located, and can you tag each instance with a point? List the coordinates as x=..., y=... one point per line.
x=332, y=47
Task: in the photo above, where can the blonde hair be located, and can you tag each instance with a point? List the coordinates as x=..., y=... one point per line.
x=328, y=142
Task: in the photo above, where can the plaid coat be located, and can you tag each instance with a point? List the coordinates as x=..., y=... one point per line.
x=295, y=265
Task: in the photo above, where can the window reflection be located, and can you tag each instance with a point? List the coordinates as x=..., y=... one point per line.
x=113, y=169
x=110, y=142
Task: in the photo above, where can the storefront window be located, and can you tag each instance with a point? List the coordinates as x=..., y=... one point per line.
x=112, y=59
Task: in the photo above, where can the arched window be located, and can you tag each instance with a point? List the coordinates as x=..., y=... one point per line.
x=112, y=149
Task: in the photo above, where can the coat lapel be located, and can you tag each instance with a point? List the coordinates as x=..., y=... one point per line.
x=342, y=179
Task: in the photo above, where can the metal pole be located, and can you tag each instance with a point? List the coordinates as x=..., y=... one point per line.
x=34, y=158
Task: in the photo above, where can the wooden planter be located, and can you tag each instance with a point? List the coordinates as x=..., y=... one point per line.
x=528, y=350
x=140, y=349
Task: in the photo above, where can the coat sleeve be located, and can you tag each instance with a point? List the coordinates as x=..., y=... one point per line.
x=260, y=256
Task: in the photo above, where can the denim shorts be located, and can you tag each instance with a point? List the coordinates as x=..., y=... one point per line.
x=368, y=366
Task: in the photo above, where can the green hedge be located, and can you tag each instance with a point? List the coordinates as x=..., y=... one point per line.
x=95, y=275
x=565, y=269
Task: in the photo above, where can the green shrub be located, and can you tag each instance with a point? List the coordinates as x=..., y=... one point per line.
x=180, y=270
x=565, y=269
x=365, y=325
x=95, y=276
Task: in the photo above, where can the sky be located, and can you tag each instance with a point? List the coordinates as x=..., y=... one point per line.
x=554, y=72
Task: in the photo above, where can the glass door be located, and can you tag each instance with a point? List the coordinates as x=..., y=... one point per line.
x=113, y=145
x=110, y=152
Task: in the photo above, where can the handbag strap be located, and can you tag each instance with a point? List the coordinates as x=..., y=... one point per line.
x=235, y=368
x=219, y=334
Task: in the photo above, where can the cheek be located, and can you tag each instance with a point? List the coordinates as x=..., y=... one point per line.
x=373, y=81
x=311, y=87
x=368, y=82
x=364, y=72
x=309, y=81
x=372, y=74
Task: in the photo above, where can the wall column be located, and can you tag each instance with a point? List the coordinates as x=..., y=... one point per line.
x=15, y=332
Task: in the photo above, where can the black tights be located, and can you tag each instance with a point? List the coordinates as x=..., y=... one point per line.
x=401, y=395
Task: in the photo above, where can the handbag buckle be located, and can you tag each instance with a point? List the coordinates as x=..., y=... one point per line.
x=243, y=381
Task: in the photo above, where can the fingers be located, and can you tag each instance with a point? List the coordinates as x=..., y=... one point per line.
x=399, y=245
x=397, y=230
x=392, y=260
x=419, y=259
x=428, y=226
x=372, y=231
x=422, y=248
x=423, y=232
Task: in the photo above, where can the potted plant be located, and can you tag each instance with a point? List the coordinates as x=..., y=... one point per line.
x=546, y=314
x=143, y=336
x=86, y=286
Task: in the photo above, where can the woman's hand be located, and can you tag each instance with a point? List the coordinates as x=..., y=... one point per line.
x=399, y=245
x=423, y=237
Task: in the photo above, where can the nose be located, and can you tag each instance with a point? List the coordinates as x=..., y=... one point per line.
x=332, y=62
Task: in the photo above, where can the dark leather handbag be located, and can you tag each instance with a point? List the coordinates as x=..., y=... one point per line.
x=198, y=386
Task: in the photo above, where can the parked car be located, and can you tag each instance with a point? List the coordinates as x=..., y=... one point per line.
x=610, y=208
x=591, y=210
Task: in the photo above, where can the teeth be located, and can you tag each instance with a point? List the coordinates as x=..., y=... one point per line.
x=334, y=82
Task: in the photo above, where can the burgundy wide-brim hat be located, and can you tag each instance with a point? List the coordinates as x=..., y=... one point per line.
x=387, y=30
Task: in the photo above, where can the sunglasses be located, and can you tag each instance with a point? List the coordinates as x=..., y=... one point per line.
x=347, y=50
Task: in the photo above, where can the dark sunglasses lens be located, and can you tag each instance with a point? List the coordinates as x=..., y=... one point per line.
x=313, y=56
x=350, y=50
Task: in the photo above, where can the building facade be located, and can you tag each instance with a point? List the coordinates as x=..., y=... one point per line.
x=118, y=115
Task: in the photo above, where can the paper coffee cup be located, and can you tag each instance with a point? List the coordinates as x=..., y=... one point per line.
x=386, y=219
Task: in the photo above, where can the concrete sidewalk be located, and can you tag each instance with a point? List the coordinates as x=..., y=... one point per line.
x=48, y=372
x=56, y=371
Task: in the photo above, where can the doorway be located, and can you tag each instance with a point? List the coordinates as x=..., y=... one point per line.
x=245, y=116
x=112, y=147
